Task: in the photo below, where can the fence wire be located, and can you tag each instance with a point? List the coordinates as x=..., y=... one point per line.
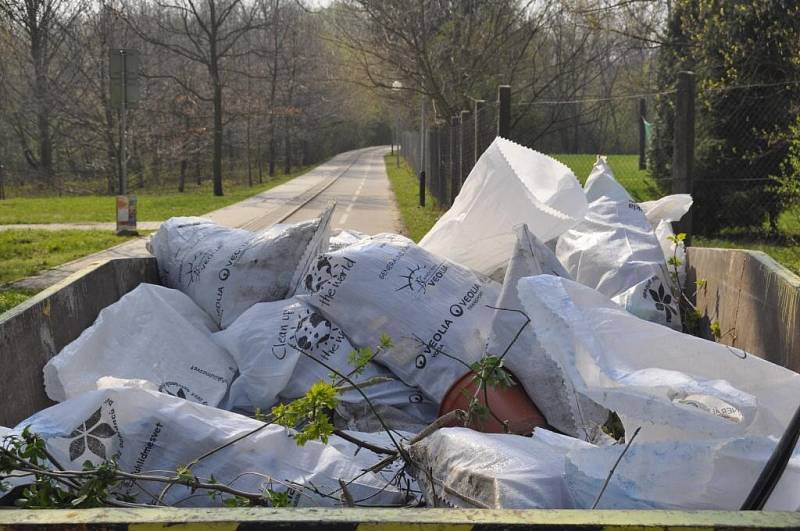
x=745, y=177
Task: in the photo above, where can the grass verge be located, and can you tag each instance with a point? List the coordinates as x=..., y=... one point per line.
x=417, y=220
x=153, y=205
x=26, y=252
x=10, y=297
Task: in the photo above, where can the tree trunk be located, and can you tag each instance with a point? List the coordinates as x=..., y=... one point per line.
x=182, y=176
x=260, y=164
x=271, y=146
x=249, y=151
x=218, y=132
x=287, y=140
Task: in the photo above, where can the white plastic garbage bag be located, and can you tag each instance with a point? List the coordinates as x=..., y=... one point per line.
x=680, y=475
x=497, y=471
x=515, y=342
x=268, y=342
x=147, y=431
x=674, y=385
x=225, y=271
x=152, y=333
x=344, y=238
x=509, y=185
x=434, y=311
x=668, y=208
x=615, y=251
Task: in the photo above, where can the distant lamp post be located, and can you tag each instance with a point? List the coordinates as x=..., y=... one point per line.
x=396, y=87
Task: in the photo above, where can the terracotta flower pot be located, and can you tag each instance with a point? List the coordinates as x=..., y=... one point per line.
x=509, y=404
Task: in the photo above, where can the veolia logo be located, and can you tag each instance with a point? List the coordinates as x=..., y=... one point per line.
x=422, y=277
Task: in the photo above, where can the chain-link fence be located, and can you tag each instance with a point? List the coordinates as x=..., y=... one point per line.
x=736, y=149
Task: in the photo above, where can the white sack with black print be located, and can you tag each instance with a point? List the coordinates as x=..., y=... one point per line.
x=615, y=251
x=675, y=386
x=150, y=432
x=509, y=185
x=436, y=312
x=282, y=348
x=225, y=271
x=152, y=333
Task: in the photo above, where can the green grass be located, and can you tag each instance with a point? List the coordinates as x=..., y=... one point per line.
x=418, y=220
x=626, y=169
x=25, y=252
x=152, y=206
x=10, y=297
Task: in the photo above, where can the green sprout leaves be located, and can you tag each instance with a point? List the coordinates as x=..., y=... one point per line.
x=311, y=411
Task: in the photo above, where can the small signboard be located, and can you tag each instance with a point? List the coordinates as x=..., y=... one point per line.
x=126, y=85
x=126, y=215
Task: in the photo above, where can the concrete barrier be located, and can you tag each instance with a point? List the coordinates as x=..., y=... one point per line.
x=755, y=299
x=39, y=328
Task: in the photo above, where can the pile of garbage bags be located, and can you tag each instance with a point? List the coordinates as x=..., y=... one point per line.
x=568, y=286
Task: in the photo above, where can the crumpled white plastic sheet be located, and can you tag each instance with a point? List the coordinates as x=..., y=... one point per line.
x=675, y=386
x=152, y=333
x=225, y=271
x=709, y=474
x=149, y=431
x=509, y=185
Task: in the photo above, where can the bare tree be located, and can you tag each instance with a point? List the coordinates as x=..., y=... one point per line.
x=205, y=33
x=40, y=28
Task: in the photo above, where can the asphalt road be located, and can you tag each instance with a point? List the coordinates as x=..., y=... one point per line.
x=364, y=200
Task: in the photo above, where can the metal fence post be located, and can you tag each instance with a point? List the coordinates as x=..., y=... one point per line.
x=465, y=164
x=476, y=125
x=454, y=171
x=504, y=111
x=642, y=134
x=683, y=144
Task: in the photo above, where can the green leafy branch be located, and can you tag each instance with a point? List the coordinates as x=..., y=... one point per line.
x=690, y=315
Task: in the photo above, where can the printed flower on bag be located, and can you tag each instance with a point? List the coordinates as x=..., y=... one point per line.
x=89, y=435
x=663, y=301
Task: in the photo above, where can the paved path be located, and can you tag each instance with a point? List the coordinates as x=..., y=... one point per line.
x=364, y=198
x=356, y=180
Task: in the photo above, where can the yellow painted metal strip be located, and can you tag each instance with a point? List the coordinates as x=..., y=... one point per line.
x=654, y=528
x=409, y=526
x=186, y=526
